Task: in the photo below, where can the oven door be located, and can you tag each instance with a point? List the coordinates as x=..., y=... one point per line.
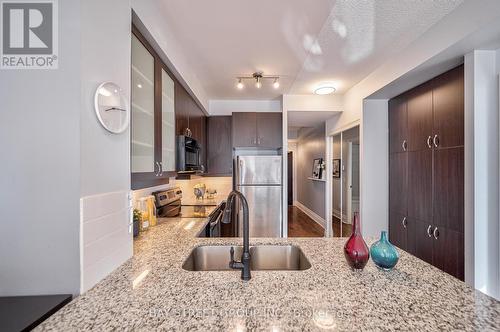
x=172, y=209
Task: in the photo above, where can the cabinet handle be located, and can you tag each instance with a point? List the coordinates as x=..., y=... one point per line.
x=429, y=142
x=429, y=231
x=161, y=168
x=435, y=233
x=436, y=140
x=404, y=222
x=157, y=172
x=258, y=141
x=404, y=145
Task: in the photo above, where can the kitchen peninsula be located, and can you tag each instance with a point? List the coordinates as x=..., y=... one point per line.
x=152, y=291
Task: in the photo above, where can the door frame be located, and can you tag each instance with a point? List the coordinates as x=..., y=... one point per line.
x=348, y=173
x=329, y=169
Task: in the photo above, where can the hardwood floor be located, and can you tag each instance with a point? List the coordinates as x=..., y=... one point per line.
x=301, y=225
x=346, y=228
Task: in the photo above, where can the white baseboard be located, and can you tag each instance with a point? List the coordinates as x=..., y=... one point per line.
x=320, y=221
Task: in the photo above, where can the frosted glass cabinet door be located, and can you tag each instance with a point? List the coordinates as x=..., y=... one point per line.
x=167, y=122
x=142, y=149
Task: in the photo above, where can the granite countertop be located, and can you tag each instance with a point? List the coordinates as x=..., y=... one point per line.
x=152, y=292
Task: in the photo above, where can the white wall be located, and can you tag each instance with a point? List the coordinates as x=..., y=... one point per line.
x=66, y=180
x=482, y=153
x=106, y=240
x=105, y=39
x=227, y=107
x=328, y=103
x=310, y=145
x=40, y=170
x=374, y=174
x=290, y=103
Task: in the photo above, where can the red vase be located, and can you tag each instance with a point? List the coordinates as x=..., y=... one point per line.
x=355, y=250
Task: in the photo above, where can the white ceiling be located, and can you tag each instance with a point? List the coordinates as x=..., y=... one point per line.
x=305, y=42
x=308, y=118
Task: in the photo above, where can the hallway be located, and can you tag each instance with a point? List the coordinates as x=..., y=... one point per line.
x=301, y=225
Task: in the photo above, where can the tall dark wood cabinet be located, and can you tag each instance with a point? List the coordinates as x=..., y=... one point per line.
x=426, y=171
x=219, y=146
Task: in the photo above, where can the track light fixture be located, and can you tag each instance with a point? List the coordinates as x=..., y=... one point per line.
x=258, y=77
x=258, y=83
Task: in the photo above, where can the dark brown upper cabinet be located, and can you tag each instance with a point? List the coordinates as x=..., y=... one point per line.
x=257, y=130
x=420, y=129
x=448, y=103
x=244, y=129
x=152, y=117
x=398, y=125
x=161, y=109
x=219, y=146
x=269, y=130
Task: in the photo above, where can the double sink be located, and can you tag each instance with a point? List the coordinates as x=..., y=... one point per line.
x=263, y=258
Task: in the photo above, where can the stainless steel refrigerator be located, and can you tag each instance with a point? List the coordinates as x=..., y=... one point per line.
x=259, y=179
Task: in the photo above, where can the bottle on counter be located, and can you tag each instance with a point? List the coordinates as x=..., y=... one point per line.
x=355, y=250
x=143, y=207
x=151, y=207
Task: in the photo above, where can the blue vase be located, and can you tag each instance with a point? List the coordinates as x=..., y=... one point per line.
x=383, y=253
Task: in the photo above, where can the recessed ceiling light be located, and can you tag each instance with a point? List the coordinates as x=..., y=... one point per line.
x=324, y=90
x=139, y=86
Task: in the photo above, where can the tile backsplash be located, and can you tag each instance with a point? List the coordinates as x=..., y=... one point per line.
x=223, y=185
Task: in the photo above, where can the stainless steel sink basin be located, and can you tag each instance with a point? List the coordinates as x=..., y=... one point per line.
x=264, y=257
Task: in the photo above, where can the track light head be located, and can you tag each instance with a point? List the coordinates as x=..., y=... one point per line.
x=240, y=84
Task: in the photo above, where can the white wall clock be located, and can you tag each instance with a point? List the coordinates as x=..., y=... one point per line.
x=111, y=107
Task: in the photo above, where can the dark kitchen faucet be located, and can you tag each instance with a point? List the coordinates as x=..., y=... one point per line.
x=244, y=263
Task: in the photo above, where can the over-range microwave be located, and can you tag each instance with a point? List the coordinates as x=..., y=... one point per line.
x=188, y=155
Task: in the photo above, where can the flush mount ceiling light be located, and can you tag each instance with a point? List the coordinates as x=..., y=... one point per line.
x=258, y=77
x=324, y=90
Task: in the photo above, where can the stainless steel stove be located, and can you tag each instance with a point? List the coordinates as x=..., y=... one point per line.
x=169, y=204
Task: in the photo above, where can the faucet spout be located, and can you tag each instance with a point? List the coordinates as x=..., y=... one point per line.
x=244, y=263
